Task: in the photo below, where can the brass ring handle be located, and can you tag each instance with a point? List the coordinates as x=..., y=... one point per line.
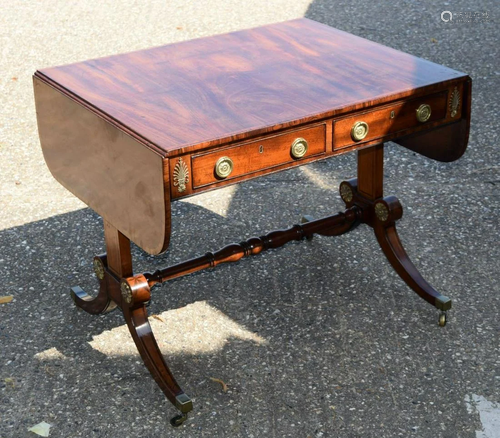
x=359, y=131
x=299, y=147
x=424, y=112
x=224, y=167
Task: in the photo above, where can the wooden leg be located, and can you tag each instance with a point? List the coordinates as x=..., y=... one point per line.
x=381, y=214
x=99, y=304
x=119, y=256
x=102, y=303
x=110, y=269
x=118, y=260
x=134, y=310
x=388, y=239
x=371, y=172
x=136, y=316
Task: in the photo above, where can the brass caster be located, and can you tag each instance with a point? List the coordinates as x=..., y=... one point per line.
x=178, y=420
x=304, y=220
x=442, y=319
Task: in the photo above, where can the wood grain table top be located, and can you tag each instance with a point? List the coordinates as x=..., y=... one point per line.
x=192, y=95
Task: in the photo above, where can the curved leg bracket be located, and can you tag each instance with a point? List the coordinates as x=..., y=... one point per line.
x=135, y=293
x=102, y=303
x=132, y=295
x=382, y=214
x=388, y=240
x=386, y=212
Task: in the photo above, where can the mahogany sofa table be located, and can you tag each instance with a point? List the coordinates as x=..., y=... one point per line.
x=128, y=134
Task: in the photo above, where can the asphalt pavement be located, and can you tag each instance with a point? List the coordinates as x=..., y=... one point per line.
x=317, y=339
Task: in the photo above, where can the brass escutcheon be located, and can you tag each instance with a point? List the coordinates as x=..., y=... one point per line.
x=359, y=131
x=224, y=167
x=299, y=147
x=423, y=112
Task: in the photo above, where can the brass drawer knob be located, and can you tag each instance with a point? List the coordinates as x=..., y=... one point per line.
x=224, y=167
x=299, y=147
x=359, y=131
x=423, y=112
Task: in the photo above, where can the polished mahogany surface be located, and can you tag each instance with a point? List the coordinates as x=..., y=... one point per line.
x=129, y=133
x=188, y=96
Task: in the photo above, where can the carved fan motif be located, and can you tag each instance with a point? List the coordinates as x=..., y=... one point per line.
x=181, y=175
x=454, y=102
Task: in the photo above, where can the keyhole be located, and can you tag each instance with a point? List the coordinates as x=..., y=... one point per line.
x=261, y=149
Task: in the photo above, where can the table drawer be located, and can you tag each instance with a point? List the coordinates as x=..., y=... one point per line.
x=371, y=125
x=247, y=158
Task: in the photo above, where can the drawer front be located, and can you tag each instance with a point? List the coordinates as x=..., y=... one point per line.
x=247, y=158
x=371, y=125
